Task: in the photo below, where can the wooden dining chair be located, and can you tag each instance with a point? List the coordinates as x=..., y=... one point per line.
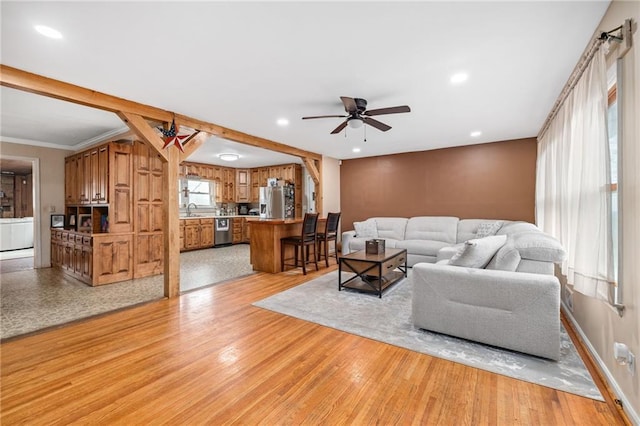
x=306, y=239
x=330, y=234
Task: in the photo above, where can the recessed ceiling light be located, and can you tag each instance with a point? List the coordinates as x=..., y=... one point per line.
x=228, y=156
x=48, y=31
x=356, y=150
x=282, y=122
x=476, y=134
x=460, y=77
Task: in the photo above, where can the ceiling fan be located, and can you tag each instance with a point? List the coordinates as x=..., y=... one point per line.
x=357, y=114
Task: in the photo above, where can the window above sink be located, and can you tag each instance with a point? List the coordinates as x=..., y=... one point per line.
x=200, y=192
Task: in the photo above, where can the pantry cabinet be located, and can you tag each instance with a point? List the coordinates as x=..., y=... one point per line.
x=97, y=244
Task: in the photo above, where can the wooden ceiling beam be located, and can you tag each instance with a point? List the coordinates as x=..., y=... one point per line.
x=192, y=144
x=144, y=131
x=34, y=83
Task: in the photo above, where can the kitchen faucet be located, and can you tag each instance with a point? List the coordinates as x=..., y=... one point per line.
x=189, y=208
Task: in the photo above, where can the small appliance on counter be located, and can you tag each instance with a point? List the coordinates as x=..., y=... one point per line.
x=243, y=208
x=254, y=212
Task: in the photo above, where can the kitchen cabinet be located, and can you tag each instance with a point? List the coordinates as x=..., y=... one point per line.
x=237, y=230
x=243, y=187
x=148, y=257
x=97, y=184
x=197, y=233
x=94, y=259
x=70, y=181
x=246, y=230
x=229, y=182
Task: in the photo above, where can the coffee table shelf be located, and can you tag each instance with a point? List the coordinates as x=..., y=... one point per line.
x=373, y=272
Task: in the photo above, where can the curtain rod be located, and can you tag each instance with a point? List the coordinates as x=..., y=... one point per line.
x=625, y=34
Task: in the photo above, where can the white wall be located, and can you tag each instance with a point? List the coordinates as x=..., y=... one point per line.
x=50, y=190
x=597, y=321
x=331, y=187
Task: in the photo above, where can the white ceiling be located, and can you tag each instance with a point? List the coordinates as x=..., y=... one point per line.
x=243, y=65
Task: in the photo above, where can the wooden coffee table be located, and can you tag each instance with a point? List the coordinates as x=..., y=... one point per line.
x=374, y=272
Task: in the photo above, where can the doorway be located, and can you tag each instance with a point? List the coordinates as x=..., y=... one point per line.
x=21, y=218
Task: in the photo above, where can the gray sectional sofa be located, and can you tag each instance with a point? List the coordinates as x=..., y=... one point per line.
x=485, y=280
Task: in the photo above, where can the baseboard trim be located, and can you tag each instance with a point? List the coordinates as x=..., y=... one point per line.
x=627, y=408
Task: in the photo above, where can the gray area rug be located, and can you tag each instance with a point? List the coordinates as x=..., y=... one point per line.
x=389, y=320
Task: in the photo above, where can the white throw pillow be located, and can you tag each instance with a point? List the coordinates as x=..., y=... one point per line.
x=366, y=229
x=478, y=252
x=487, y=229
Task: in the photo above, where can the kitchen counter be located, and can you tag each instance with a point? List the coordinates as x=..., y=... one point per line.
x=265, y=241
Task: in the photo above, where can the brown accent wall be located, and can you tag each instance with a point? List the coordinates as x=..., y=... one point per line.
x=488, y=181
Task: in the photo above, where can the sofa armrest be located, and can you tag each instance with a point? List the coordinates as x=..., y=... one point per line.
x=346, y=240
x=513, y=310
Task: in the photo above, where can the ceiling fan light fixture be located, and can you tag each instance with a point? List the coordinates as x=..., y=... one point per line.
x=355, y=123
x=228, y=156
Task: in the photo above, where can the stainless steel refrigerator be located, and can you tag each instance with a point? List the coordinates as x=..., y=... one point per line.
x=272, y=202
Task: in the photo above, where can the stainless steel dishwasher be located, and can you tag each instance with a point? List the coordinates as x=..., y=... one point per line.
x=223, y=229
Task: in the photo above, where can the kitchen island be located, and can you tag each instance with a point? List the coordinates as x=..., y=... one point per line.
x=265, y=241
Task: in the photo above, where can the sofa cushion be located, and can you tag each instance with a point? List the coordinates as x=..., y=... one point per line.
x=366, y=229
x=538, y=246
x=356, y=244
x=507, y=258
x=478, y=252
x=391, y=227
x=446, y=253
x=489, y=228
x=467, y=229
x=516, y=227
x=434, y=228
x=423, y=247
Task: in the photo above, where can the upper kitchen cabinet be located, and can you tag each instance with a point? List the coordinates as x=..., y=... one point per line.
x=101, y=176
x=243, y=186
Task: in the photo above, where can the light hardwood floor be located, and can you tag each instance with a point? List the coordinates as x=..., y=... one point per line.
x=210, y=357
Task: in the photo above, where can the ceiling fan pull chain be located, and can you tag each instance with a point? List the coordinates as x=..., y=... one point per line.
x=365, y=133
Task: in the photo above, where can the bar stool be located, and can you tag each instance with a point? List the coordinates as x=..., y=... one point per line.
x=307, y=238
x=330, y=234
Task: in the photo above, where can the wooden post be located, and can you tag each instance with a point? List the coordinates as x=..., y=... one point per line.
x=170, y=209
x=171, y=223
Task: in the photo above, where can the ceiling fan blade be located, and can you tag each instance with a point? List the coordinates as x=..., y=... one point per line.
x=375, y=123
x=390, y=110
x=340, y=127
x=325, y=116
x=349, y=104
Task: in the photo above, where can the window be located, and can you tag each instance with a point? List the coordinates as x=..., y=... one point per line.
x=200, y=192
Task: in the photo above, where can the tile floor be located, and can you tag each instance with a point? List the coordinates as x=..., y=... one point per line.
x=34, y=299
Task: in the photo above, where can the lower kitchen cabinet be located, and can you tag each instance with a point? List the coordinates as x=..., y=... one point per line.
x=196, y=233
x=95, y=259
x=237, y=230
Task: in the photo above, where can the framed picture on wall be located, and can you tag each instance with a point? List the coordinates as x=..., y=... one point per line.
x=57, y=221
x=84, y=223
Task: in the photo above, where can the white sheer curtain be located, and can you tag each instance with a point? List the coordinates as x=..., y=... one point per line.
x=572, y=182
